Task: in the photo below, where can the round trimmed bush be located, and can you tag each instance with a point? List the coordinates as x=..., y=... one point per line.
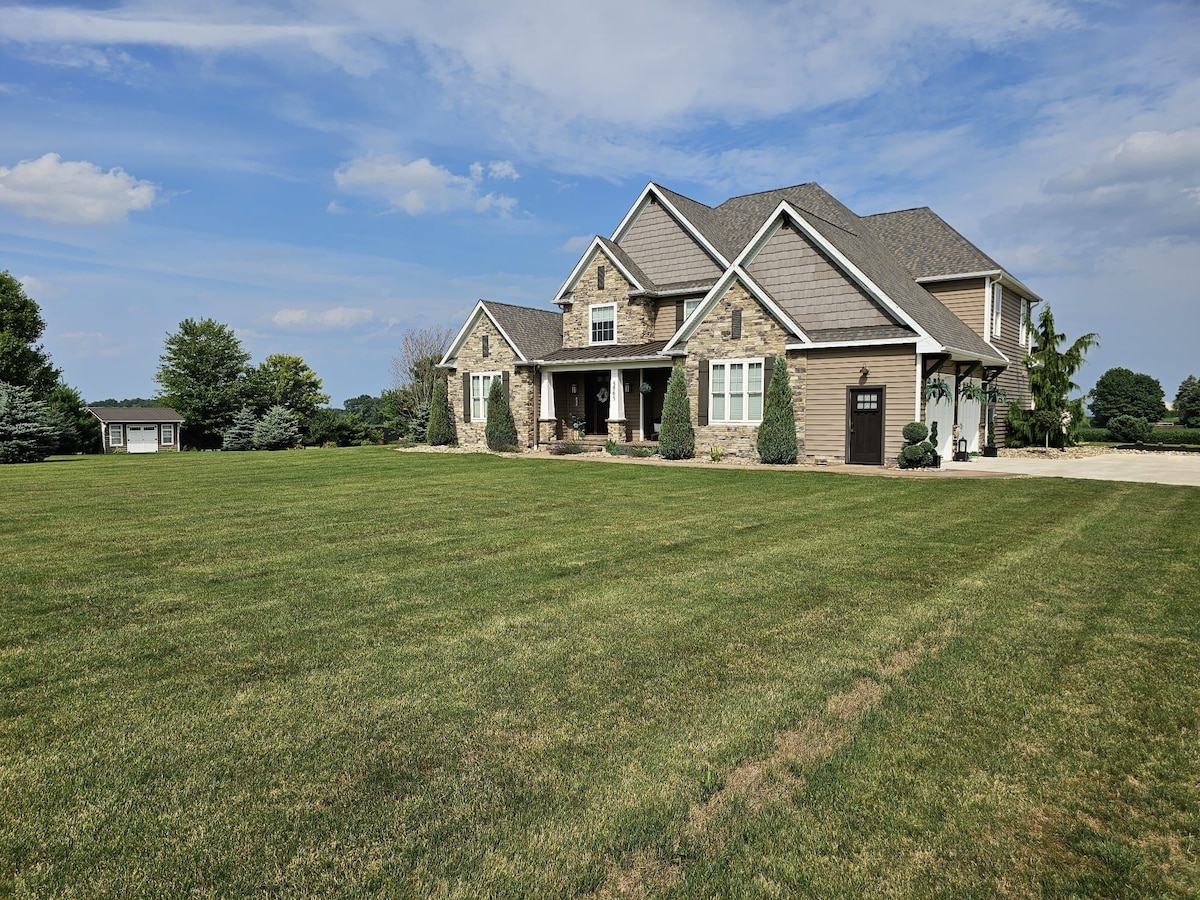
x=915, y=432
x=1130, y=428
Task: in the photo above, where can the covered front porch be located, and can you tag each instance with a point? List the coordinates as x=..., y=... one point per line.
x=622, y=402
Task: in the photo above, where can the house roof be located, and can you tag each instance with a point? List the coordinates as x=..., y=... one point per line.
x=928, y=246
x=861, y=333
x=535, y=331
x=649, y=350
x=135, y=414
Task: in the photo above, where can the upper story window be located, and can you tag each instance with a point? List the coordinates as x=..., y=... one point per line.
x=736, y=390
x=1025, y=324
x=604, y=323
x=997, y=308
x=599, y=278
x=690, y=306
x=486, y=348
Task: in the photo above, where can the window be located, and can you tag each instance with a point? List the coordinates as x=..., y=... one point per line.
x=997, y=308
x=689, y=306
x=1025, y=324
x=599, y=278
x=736, y=390
x=114, y=436
x=168, y=434
x=486, y=351
x=481, y=385
x=604, y=324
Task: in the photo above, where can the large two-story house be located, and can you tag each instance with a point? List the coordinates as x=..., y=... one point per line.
x=863, y=310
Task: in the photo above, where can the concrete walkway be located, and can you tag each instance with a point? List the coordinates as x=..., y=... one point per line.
x=1156, y=468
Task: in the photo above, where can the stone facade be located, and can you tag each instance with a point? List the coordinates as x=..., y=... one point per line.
x=635, y=318
x=762, y=336
x=523, y=389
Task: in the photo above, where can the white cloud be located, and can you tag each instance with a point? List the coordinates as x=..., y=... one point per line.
x=577, y=244
x=339, y=318
x=1144, y=156
x=335, y=209
x=420, y=186
x=73, y=193
x=502, y=168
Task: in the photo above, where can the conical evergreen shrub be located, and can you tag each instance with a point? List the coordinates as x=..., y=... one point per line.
x=240, y=435
x=27, y=430
x=501, y=432
x=277, y=430
x=777, y=443
x=677, y=439
x=441, y=421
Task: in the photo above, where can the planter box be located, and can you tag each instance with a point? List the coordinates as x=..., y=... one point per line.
x=990, y=451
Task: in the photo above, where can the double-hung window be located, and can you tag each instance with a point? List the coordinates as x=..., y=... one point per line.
x=481, y=385
x=604, y=323
x=114, y=436
x=168, y=435
x=735, y=391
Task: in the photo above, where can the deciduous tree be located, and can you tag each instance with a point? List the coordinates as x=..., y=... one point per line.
x=1122, y=392
x=203, y=375
x=287, y=381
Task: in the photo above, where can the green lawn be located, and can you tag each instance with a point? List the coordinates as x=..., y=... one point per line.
x=343, y=672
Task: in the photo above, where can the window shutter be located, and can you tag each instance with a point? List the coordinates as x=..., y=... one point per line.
x=507, y=387
x=466, y=396
x=768, y=371
x=736, y=325
x=678, y=315
x=702, y=398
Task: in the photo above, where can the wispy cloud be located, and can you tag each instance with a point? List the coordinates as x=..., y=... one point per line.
x=339, y=318
x=421, y=186
x=73, y=193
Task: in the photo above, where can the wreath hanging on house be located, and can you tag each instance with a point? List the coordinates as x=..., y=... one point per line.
x=602, y=395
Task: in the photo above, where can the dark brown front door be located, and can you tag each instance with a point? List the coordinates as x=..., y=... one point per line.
x=866, y=427
x=596, y=402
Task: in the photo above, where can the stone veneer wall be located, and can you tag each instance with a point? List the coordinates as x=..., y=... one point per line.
x=522, y=387
x=761, y=336
x=635, y=321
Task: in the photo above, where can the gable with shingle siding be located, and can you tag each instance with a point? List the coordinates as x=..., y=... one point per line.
x=809, y=287
x=663, y=249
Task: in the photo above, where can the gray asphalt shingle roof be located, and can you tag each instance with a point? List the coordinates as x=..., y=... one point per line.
x=108, y=414
x=608, y=351
x=928, y=246
x=536, y=332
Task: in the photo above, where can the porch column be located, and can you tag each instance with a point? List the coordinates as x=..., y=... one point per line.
x=547, y=428
x=616, y=406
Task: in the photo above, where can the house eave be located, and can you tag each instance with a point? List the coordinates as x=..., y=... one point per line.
x=997, y=274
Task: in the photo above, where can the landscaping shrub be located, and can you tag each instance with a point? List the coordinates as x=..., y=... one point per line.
x=501, y=431
x=1174, y=436
x=567, y=448
x=1129, y=428
x=418, y=425
x=240, y=435
x=277, y=430
x=917, y=453
x=676, y=438
x=613, y=449
x=777, y=443
x=27, y=432
x=440, y=432
x=1093, y=435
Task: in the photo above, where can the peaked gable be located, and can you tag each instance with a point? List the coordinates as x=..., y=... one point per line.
x=809, y=287
x=531, y=333
x=662, y=247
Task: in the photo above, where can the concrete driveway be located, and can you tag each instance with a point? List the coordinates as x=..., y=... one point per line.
x=1157, y=468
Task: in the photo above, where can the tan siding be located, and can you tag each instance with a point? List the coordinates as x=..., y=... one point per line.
x=663, y=250
x=831, y=373
x=809, y=287
x=966, y=299
x=664, y=320
x=1014, y=381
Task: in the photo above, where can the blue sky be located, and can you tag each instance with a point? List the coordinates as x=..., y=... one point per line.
x=322, y=175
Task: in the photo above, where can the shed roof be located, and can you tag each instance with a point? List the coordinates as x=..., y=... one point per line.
x=135, y=414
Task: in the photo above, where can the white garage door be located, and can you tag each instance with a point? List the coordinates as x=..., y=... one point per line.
x=142, y=438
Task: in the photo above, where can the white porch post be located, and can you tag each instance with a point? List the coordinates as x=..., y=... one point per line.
x=547, y=395
x=616, y=395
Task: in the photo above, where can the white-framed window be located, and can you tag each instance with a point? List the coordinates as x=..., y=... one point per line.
x=115, y=436
x=1025, y=324
x=168, y=435
x=735, y=389
x=997, y=308
x=604, y=323
x=690, y=306
x=481, y=385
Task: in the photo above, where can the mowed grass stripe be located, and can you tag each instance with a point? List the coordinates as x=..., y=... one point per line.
x=338, y=672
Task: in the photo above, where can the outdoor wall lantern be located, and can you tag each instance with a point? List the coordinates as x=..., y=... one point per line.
x=864, y=371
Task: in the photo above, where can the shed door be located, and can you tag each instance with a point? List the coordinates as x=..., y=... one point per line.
x=142, y=438
x=866, y=427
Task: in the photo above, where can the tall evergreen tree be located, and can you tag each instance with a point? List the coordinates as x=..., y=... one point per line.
x=1051, y=370
x=277, y=430
x=500, y=431
x=27, y=430
x=441, y=421
x=777, y=442
x=677, y=439
x=203, y=375
x=240, y=435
